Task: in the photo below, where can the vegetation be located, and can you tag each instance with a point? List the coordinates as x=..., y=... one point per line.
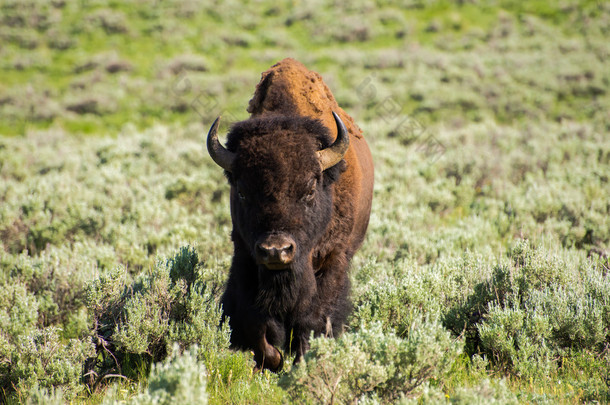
x=485, y=275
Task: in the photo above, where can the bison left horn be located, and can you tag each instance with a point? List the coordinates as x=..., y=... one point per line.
x=223, y=157
x=334, y=153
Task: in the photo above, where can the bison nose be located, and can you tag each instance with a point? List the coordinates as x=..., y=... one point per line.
x=275, y=251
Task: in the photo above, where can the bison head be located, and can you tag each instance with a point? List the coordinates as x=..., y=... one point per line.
x=281, y=171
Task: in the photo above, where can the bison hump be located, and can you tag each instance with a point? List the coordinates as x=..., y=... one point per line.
x=289, y=88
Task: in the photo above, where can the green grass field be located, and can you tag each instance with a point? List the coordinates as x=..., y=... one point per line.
x=485, y=275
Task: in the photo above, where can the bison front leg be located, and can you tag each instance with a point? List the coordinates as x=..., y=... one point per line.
x=300, y=347
x=333, y=286
x=250, y=328
x=327, y=311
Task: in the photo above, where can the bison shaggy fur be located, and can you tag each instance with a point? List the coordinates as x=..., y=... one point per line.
x=296, y=223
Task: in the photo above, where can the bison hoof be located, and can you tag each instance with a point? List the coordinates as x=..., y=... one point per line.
x=272, y=360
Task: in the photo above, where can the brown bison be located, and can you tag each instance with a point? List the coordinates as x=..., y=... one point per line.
x=301, y=178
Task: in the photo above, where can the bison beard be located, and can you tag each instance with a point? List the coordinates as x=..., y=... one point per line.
x=277, y=291
x=300, y=204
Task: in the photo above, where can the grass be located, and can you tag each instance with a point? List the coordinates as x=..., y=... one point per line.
x=490, y=230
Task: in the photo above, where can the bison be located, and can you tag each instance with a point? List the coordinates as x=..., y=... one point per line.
x=301, y=178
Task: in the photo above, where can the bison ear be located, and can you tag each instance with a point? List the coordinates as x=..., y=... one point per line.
x=334, y=153
x=223, y=157
x=332, y=174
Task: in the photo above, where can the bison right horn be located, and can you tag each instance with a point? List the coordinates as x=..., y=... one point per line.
x=223, y=157
x=334, y=153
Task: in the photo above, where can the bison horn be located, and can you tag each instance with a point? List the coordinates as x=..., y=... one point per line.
x=223, y=157
x=334, y=153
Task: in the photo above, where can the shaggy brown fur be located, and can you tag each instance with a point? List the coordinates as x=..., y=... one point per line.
x=278, y=191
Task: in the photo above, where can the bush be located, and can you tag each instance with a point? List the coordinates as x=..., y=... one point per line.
x=39, y=358
x=371, y=362
x=34, y=356
x=395, y=299
x=486, y=392
x=43, y=396
x=535, y=309
x=136, y=324
x=179, y=379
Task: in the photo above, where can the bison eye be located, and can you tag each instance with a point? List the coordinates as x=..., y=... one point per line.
x=311, y=193
x=240, y=194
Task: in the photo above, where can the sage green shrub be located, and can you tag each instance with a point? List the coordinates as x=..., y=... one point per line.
x=179, y=379
x=39, y=358
x=371, y=362
x=43, y=396
x=55, y=281
x=398, y=292
x=32, y=355
x=393, y=296
x=137, y=323
x=486, y=392
x=535, y=309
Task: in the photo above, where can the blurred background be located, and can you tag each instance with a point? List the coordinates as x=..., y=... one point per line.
x=91, y=67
